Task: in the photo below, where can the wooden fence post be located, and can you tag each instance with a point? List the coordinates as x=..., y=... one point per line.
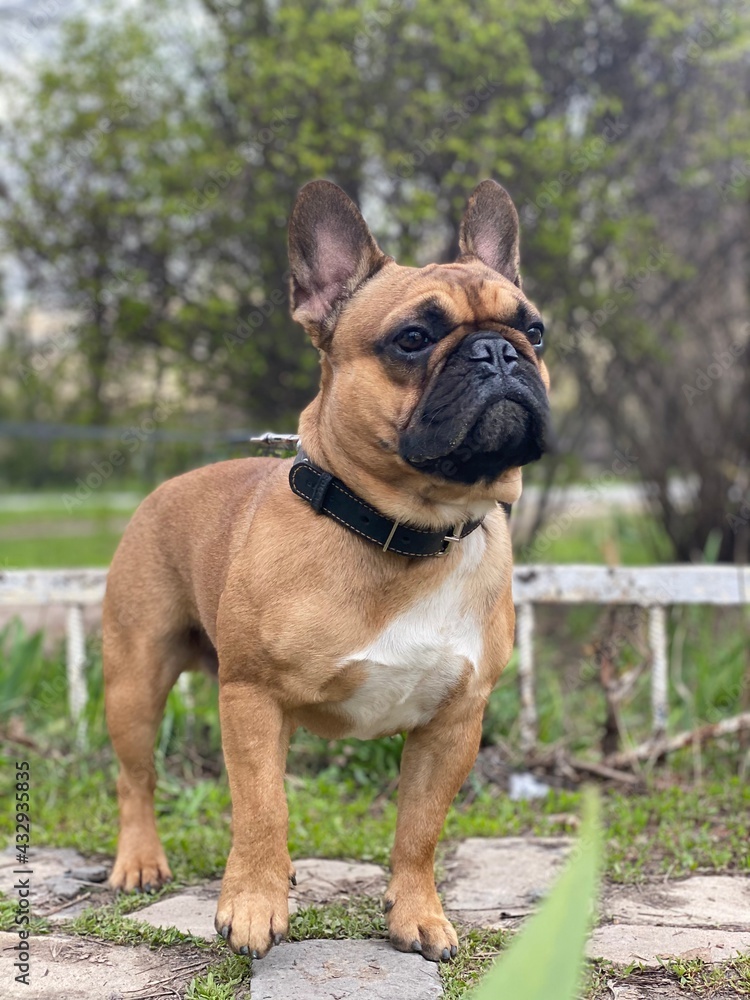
x=528, y=720
x=75, y=662
x=657, y=640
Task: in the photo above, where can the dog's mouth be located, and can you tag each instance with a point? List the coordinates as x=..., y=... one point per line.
x=478, y=419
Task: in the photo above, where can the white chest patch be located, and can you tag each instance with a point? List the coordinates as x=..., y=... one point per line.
x=418, y=659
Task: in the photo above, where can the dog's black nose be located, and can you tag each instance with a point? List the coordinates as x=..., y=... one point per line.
x=494, y=350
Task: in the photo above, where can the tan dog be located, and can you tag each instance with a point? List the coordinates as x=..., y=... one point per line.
x=432, y=396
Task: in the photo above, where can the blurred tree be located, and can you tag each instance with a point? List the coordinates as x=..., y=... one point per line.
x=152, y=163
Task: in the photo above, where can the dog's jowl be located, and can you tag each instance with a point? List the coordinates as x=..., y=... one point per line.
x=363, y=589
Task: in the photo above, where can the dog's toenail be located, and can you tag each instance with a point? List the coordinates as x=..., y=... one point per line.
x=416, y=945
x=293, y=878
x=278, y=938
x=446, y=955
x=225, y=931
x=388, y=905
x=255, y=954
x=147, y=887
x=244, y=950
x=454, y=950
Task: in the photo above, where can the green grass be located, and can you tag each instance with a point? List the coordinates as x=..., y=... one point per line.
x=616, y=538
x=50, y=552
x=479, y=950
x=50, y=536
x=37, y=925
x=341, y=794
x=358, y=918
x=55, y=515
x=671, y=831
x=361, y=918
x=115, y=923
x=219, y=981
x=709, y=663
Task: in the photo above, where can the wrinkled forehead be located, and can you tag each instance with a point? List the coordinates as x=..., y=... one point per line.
x=439, y=295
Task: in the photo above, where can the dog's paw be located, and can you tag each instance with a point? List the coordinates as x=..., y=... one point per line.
x=251, y=921
x=144, y=868
x=419, y=924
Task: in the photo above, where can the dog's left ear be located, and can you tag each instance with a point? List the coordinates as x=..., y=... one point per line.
x=331, y=252
x=489, y=231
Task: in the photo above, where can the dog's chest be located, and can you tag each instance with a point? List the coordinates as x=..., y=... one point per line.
x=415, y=663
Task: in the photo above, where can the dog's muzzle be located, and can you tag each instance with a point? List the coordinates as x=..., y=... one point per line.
x=485, y=412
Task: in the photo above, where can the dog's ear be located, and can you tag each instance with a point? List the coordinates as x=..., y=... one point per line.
x=489, y=231
x=331, y=252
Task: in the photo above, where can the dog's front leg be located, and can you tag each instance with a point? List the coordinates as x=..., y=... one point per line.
x=253, y=910
x=436, y=761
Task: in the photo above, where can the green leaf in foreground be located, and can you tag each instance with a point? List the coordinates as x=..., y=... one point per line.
x=545, y=960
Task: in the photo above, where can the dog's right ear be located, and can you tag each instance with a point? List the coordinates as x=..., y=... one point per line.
x=331, y=252
x=489, y=230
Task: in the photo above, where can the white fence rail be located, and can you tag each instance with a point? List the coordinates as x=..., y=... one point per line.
x=652, y=587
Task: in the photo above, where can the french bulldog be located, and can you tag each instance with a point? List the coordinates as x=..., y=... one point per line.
x=362, y=589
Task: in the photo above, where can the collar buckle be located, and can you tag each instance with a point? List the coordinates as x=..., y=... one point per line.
x=389, y=539
x=450, y=539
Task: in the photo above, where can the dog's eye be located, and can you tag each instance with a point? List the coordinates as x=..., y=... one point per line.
x=535, y=334
x=413, y=338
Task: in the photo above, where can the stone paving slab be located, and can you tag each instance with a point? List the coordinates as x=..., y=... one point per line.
x=191, y=911
x=699, y=901
x=80, y=969
x=60, y=875
x=338, y=970
x=489, y=880
x=319, y=880
x=49, y=863
x=322, y=880
x=624, y=944
x=489, y=883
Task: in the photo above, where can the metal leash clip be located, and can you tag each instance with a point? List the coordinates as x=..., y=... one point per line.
x=269, y=440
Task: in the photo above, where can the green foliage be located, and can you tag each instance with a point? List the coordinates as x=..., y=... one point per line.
x=674, y=829
x=8, y=912
x=358, y=917
x=544, y=962
x=21, y=655
x=478, y=950
x=114, y=924
x=152, y=160
x=220, y=980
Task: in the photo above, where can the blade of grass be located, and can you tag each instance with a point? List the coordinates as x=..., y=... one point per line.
x=545, y=960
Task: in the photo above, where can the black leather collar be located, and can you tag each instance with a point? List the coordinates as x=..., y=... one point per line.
x=328, y=495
